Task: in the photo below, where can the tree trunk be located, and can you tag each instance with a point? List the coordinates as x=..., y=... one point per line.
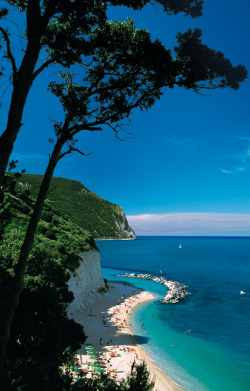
x=12, y=299
x=21, y=86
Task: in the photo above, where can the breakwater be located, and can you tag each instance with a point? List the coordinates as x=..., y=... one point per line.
x=176, y=292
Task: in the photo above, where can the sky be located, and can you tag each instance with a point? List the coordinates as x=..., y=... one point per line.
x=186, y=169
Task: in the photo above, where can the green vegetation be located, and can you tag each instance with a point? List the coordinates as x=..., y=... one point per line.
x=88, y=210
x=138, y=380
x=123, y=70
x=41, y=332
x=43, y=340
x=60, y=234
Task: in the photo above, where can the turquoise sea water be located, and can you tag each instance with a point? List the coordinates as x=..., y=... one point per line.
x=215, y=355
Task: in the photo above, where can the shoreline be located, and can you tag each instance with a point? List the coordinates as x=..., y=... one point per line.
x=177, y=291
x=107, y=239
x=163, y=380
x=107, y=323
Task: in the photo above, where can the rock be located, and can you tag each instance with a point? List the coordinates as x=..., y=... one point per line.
x=177, y=291
x=86, y=280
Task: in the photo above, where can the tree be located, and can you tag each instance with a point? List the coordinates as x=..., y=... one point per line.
x=41, y=331
x=126, y=70
x=59, y=28
x=139, y=379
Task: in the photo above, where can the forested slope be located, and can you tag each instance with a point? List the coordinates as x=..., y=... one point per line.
x=88, y=210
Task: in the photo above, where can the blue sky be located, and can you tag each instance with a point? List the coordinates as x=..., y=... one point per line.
x=190, y=154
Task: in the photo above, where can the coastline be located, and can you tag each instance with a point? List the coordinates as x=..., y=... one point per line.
x=162, y=380
x=107, y=323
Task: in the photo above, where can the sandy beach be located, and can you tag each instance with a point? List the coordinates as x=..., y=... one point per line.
x=108, y=328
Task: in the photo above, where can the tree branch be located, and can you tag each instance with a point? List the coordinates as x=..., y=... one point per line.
x=73, y=149
x=42, y=67
x=103, y=121
x=117, y=85
x=114, y=128
x=77, y=128
x=9, y=54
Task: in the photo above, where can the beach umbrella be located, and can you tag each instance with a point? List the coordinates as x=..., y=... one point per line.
x=100, y=370
x=96, y=365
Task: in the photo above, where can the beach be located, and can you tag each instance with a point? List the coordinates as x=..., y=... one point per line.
x=107, y=325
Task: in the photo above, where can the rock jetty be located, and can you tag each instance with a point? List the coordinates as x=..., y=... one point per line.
x=177, y=291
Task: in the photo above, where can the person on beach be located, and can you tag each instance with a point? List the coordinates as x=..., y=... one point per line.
x=142, y=325
x=100, y=342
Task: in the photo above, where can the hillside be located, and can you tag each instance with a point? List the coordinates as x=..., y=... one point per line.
x=88, y=210
x=64, y=239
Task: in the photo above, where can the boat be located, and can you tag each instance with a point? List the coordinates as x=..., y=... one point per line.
x=180, y=246
x=242, y=293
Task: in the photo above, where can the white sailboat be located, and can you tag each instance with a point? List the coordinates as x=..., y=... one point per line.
x=180, y=246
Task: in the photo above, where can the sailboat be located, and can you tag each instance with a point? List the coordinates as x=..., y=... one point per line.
x=180, y=246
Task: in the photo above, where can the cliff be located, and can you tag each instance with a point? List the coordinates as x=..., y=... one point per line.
x=70, y=217
x=59, y=241
x=83, y=207
x=86, y=282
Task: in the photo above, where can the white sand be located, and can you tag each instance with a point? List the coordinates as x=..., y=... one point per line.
x=108, y=318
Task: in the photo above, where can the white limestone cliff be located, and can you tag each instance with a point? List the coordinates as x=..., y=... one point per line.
x=86, y=281
x=126, y=228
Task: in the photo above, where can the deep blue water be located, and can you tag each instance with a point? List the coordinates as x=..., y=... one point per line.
x=215, y=355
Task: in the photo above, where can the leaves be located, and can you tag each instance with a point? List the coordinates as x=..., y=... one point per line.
x=189, y=7
x=88, y=211
x=203, y=67
x=41, y=330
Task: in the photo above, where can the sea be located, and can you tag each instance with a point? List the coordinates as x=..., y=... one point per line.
x=202, y=342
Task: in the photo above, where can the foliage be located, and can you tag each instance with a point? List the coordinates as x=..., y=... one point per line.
x=204, y=68
x=123, y=70
x=43, y=340
x=77, y=32
x=127, y=70
x=41, y=330
x=139, y=379
x=10, y=180
x=86, y=209
x=96, y=383
x=60, y=235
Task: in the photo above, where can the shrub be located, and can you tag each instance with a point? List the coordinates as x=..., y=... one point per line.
x=46, y=215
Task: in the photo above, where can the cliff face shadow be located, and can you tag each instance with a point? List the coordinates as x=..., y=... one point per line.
x=140, y=340
x=127, y=339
